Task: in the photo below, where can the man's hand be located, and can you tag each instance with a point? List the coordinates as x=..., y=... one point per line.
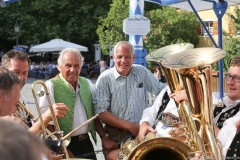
x=179, y=96
x=13, y=119
x=133, y=128
x=197, y=156
x=51, y=156
x=108, y=145
x=144, y=129
x=60, y=110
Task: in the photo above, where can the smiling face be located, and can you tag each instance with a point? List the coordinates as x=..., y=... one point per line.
x=9, y=101
x=123, y=58
x=233, y=87
x=70, y=67
x=20, y=68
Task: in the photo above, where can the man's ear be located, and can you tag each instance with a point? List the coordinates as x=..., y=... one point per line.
x=134, y=55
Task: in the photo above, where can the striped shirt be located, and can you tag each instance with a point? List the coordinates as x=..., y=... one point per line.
x=125, y=96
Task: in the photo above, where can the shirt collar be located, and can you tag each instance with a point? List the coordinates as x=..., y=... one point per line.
x=117, y=75
x=227, y=101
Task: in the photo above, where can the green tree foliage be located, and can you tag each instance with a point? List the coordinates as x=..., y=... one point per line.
x=110, y=29
x=43, y=20
x=231, y=42
x=169, y=26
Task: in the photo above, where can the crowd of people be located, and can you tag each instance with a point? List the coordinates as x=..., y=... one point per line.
x=43, y=70
x=119, y=99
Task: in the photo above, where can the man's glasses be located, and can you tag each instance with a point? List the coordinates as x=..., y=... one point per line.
x=234, y=78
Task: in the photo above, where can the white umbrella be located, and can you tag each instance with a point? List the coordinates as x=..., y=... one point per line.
x=57, y=45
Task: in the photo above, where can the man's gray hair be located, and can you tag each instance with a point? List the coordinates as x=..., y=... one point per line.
x=71, y=50
x=7, y=80
x=124, y=44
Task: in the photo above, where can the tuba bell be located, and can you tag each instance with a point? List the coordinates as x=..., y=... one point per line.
x=195, y=67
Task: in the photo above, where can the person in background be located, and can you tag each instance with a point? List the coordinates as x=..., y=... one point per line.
x=34, y=69
x=96, y=70
x=102, y=66
x=53, y=64
x=121, y=95
x=111, y=62
x=158, y=74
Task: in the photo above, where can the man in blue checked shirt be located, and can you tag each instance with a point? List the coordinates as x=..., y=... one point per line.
x=121, y=95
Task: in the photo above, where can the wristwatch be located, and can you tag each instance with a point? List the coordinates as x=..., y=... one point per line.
x=104, y=135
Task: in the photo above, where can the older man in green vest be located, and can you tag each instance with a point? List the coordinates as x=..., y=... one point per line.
x=78, y=94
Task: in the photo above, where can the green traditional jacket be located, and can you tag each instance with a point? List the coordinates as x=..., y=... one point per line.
x=63, y=93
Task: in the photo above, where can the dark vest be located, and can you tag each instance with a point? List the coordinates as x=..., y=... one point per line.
x=225, y=115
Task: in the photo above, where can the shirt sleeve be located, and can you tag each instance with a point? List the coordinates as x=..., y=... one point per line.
x=103, y=95
x=43, y=100
x=149, y=114
x=152, y=83
x=227, y=133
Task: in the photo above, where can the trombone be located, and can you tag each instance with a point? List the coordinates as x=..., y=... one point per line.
x=58, y=133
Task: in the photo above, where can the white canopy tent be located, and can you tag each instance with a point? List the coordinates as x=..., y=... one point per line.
x=57, y=45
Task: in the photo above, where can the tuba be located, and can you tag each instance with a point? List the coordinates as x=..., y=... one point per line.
x=152, y=147
x=195, y=69
x=46, y=135
x=196, y=119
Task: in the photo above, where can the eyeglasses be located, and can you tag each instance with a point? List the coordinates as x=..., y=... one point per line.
x=234, y=78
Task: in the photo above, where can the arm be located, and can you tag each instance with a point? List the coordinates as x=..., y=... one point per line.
x=107, y=144
x=149, y=116
x=119, y=123
x=60, y=110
